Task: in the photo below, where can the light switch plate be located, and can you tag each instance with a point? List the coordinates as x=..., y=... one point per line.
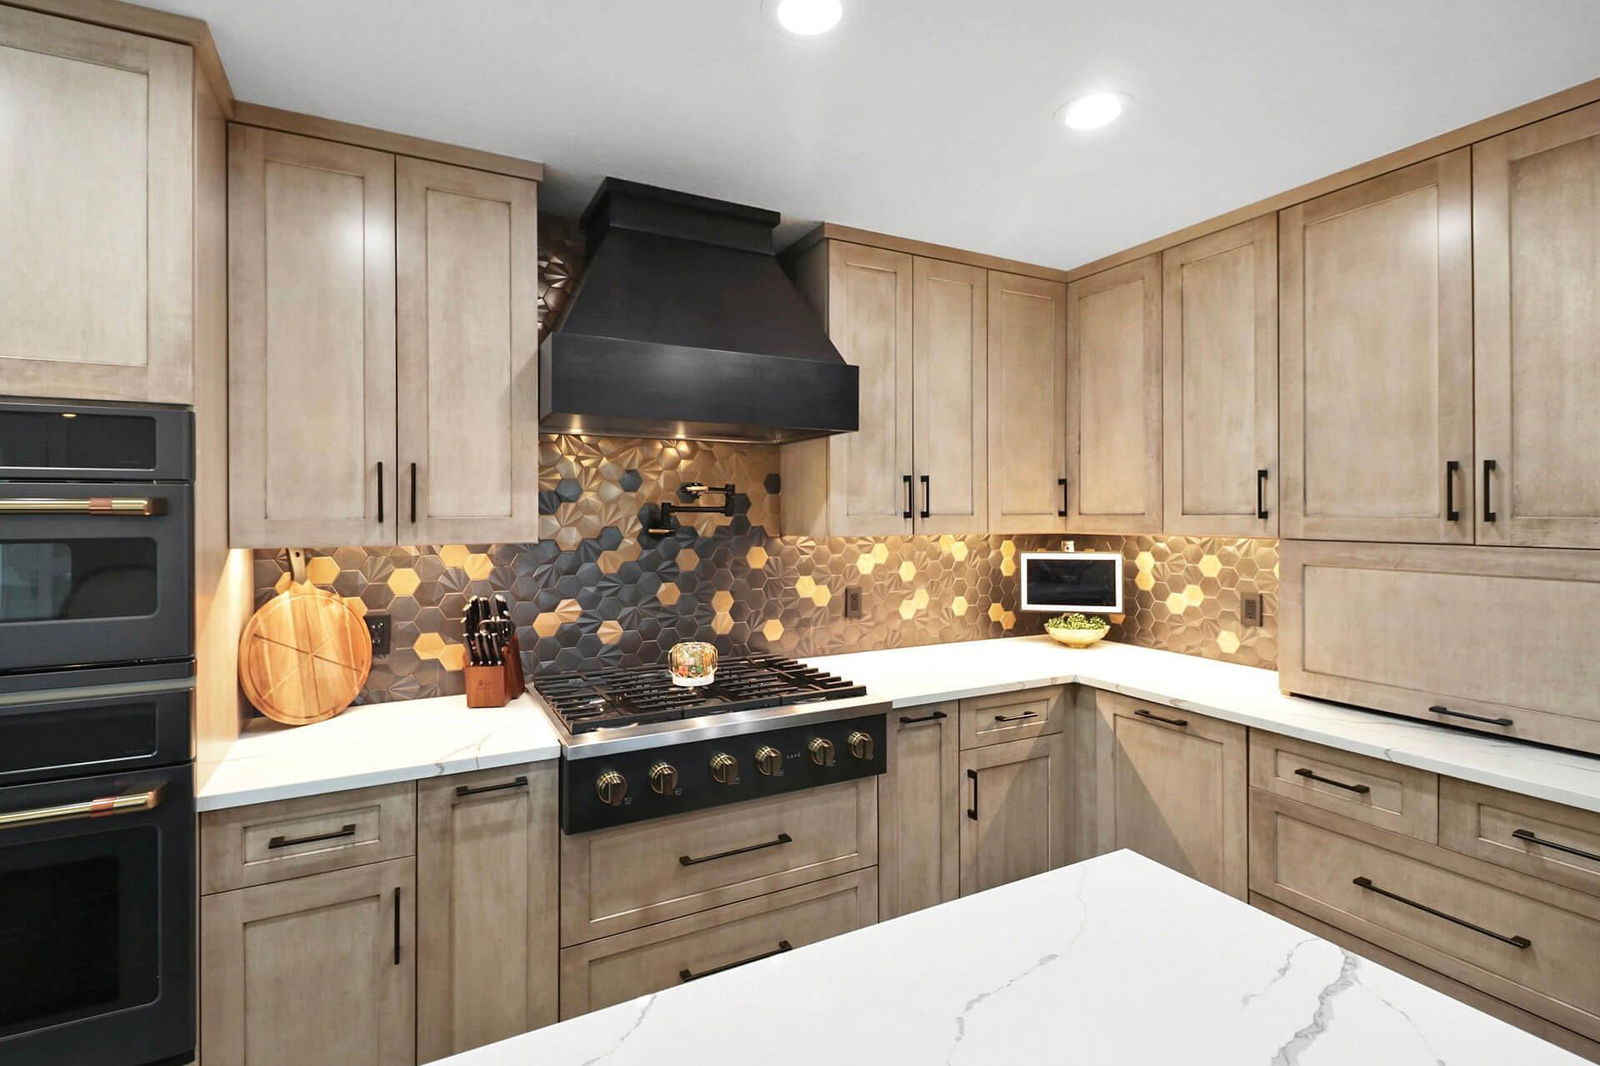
x=852, y=602
x=378, y=626
x=1251, y=609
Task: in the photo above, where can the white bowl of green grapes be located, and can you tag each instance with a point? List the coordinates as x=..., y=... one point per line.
x=1077, y=630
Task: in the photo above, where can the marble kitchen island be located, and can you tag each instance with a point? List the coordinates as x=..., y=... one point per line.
x=1115, y=961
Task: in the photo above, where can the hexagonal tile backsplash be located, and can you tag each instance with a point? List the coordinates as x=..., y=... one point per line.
x=596, y=590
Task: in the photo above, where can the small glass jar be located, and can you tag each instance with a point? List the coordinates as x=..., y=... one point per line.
x=692, y=664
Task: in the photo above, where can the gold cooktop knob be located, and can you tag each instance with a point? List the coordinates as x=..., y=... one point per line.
x=612, y=788
x=860, y=745
x=769, y=760
x=821, y=750
x=663, y=778
x=724, y=769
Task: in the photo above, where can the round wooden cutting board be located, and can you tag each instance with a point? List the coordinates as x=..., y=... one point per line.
x=303, y=656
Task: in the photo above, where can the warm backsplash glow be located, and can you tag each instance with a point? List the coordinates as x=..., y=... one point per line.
x=592, y=592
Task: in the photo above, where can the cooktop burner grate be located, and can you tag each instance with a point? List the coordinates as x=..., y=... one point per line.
x=608, y=699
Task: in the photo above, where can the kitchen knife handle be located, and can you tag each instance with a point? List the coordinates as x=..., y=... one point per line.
x=413, y=493
x=380, y=492
x=1063, y=483
x=910, y=495
x=1488, y=511
x=1261, y=495
x=927, y=496
x=1451, y=468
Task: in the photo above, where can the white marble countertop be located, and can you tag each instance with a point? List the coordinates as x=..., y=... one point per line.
x=1113, y=961
x=374, y=744
x=1243, y=694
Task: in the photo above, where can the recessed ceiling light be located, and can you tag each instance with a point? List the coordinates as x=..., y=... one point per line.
x=806, y=18
x=1093, y=110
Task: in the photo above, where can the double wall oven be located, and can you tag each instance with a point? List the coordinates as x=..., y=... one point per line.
x=97, y=822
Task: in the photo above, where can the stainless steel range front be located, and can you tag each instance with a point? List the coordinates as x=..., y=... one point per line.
x=635, y=746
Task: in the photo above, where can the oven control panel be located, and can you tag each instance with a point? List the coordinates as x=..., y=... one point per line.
x=634, y=786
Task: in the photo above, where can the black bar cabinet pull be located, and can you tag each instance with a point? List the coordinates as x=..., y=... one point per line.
x=1530, y=837
x=413, y=493
x=1063, y=483
x=934, y=717
x=397, y=925
x=1312, y=775
x=380, y=492
x=1261, y=495
x=783, y=838
x=1439, y=709
x=346, y=830
x=972, y=811
x=927, y=496
x=1451, y=468
x=687, y=975
x=1488, y=468
x=468, y=790
x=905, y=479
x=1514, y=941
x=1181, y=723
x=1016, y=717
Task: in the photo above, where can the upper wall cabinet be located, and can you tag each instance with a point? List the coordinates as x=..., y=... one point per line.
x=1114, y=400
x=1376, y=366
x=468, y=278
x=311, y=348
x=96, y=212
x=1027, y=404
x=372, y=405
x=1536, y=216
x=1220, y=340
x=950, y=396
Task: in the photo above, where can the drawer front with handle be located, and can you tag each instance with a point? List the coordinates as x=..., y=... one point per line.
x=1534, y=836
x=1397, y=798
x=633, y=875
x=314, y=834
x=1529, y=943
x=1010, y=716
x=619, y=968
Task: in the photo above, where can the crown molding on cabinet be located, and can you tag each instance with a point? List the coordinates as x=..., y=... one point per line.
x=328, y=129
x=831, y=231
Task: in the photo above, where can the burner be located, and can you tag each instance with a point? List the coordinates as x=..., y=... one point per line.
x=610, y=699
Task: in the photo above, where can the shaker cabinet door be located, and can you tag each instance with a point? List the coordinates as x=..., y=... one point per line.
x=467, y=345
x=1015, y=811
x=1536, y=256
x=311, y=356
x=1376, y=360
x=1027, y=404
x=919, y=818
x=951, y=403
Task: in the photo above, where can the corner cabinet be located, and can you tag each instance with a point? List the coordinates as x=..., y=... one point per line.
x=382, y=347
x=97, y=222
x=1376, y=360
x=1114, y=400
x=1220, y=343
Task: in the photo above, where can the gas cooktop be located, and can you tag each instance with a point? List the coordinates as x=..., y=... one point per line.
x=638, y=696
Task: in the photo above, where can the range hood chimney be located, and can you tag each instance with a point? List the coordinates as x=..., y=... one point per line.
x=684, y=326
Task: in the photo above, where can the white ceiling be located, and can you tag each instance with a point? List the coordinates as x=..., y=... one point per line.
x=928, y=119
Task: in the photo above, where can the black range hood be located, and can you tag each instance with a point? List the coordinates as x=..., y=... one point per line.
x=684, y=326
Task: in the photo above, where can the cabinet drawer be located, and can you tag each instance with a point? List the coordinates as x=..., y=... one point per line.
x=1534, y=836
x=633, y=875
x=1527, y=942
x=1012, y=716
x=1398, y=798
x=619, y=968
x=276, y=841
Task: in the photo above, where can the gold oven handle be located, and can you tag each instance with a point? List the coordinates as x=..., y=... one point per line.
x=95, y=808
x=141, y=506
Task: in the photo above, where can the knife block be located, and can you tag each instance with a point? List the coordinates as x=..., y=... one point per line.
x=496, y=686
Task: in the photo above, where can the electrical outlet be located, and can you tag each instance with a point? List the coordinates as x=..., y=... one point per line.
x=378, y=626
x=1251, y=608
x=852, y=602
x=1069, y=546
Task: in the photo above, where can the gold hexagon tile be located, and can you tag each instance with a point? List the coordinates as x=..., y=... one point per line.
x=1008, y=620
x=908, y=570
x=356, y=604
x=805, y=586
x=453, y=657
x=1210, y=565
x=757, y=557
x=908, y=610
x=997, y=611
x=404, y=581
x=1144, y=580
x=958, y=606
x=1176, y=603
x=866, y=564
x=1144, y=562
x=453, y=555
x=609, y=632
x=668, y=594
x=722, y=623
x=773, y=629
x=1228, y=642
x=958, y=551
x=880, y=553
x=428, y=645
x=479, y=567
x=322, y=570
x=822, y=596
x=687, y=560
x=1194, y=594
x=721, y=601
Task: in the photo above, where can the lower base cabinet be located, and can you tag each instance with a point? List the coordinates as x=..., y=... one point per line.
x=1172, y=786
x=486, y=919
x=320, y=969
x=1015, y=823
x=618, y=968
x=919, y=811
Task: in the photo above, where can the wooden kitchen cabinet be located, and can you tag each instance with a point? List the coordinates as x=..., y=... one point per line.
x=1376, y=358
x=1172, y=786
x=1114, y=400
x=311, y=356
x=1535, y=214
x=919, y=811
x=97, y=278
x=318, y=969
x=1015, y=811
x=950, y=392
x=1220, y=343
x=1027, y=404
x=466, y=244
x=487, y=951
